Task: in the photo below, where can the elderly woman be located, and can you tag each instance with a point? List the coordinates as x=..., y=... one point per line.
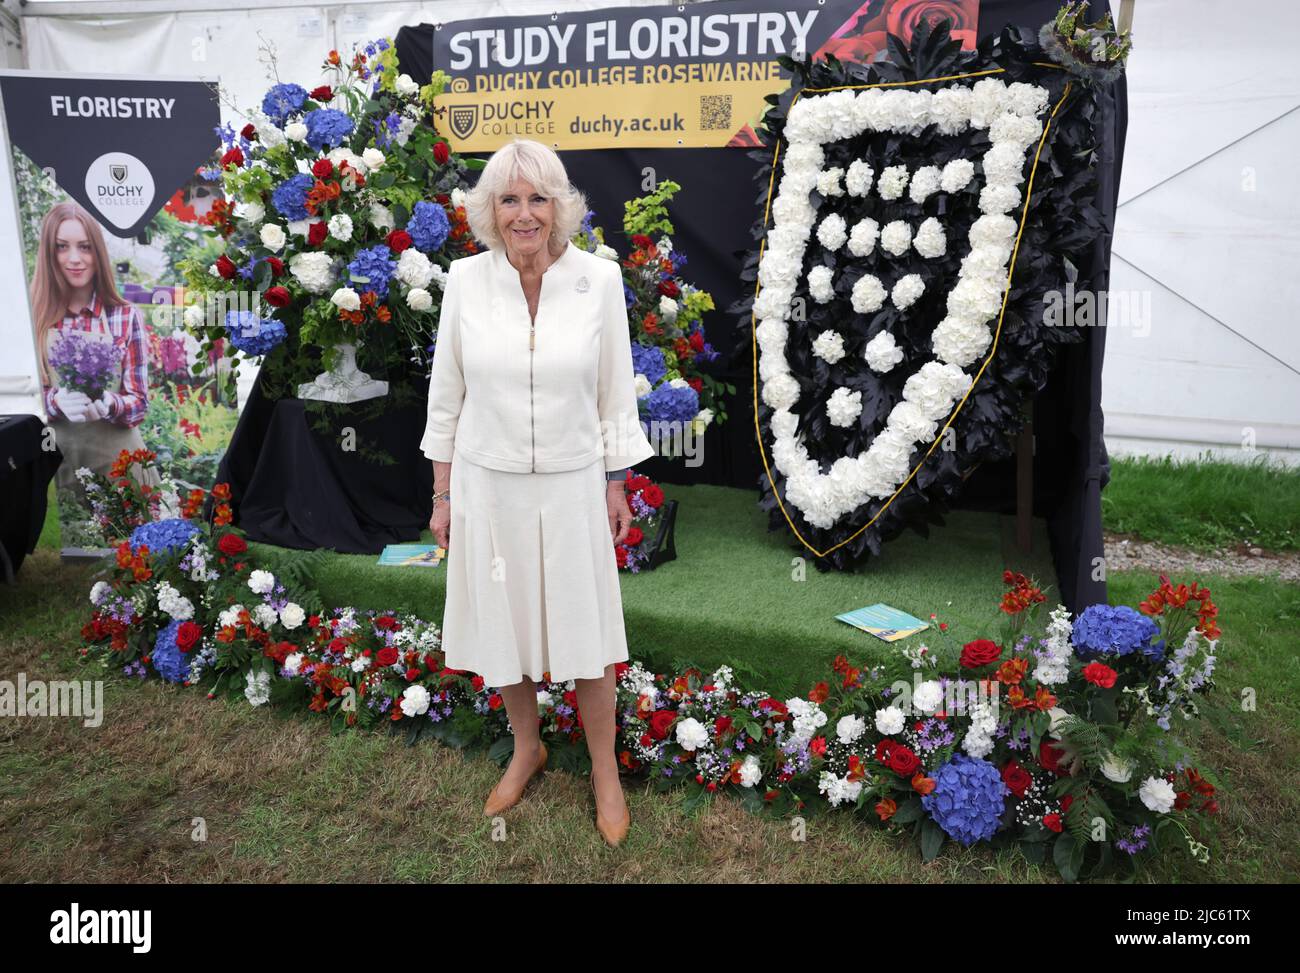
x=532, y=423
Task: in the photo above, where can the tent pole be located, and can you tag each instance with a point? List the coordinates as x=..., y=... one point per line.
x=1126, y=15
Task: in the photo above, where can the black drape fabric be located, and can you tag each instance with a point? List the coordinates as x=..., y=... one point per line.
x=294, y=485
x=719, y=203
x=25, y=473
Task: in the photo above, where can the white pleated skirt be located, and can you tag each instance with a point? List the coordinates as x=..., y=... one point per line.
x=532, y=581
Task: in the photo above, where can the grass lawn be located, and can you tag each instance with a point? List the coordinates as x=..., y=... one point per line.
x=282, y=800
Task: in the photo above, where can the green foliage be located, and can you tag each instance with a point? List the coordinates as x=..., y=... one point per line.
x=649, y=213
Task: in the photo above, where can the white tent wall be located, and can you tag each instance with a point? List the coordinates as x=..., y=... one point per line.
x=1207, y=237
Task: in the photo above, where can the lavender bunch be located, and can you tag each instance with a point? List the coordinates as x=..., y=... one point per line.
x=84, y=365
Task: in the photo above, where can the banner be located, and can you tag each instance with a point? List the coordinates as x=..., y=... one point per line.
x=671, y=76
x=109, y=199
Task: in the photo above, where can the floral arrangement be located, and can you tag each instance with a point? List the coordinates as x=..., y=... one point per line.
x=343, y=211
x=882, y=316
x=1096, y=52
x=1057, y=740
x=646, y=500
x=666, y=312
x=85, y=364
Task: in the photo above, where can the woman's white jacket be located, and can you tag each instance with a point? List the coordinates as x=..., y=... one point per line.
x=553, y=401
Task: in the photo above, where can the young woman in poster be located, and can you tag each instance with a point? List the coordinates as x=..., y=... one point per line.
x=95, y=382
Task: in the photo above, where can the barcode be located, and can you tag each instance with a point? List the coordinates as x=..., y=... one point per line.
x=715, y=111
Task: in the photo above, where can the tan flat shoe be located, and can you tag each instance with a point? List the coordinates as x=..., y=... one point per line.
x=496, y=802
x=612, y=831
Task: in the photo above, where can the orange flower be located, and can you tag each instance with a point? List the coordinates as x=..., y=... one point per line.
x=819, y=693
x=921, y=784
x=1012, y=671
x=886, y=808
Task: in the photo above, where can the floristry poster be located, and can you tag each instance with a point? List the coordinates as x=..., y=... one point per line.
x=110, y=202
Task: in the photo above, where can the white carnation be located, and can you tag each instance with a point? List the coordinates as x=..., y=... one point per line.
x=925, y=181
x=820, y=283
x=956, y=175
x=257, y=687
x=868, y=294
x=859, y=177
x=418, y=299
x=843, y=407
x=890, y=720
x=828, y=182
x=829, y=345
x=862, y=239
x=896, y=237
x=692, y=734
x=928, y=697
x=295, y=132
x=850, y=728
x=893, y=180
x=340, y=227
x=414, y=269
x=313, y=270
x=907, y=290
x=415, y=701
x=260, y=582
x=831, y=232
x=882, y=353
x=930, y=240
x=1157, y=794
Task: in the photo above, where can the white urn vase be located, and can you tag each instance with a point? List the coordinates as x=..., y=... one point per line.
x=344, y=382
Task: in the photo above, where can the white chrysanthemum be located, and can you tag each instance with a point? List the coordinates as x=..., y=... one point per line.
x=896, y=237
x=843, y=407
x=907, y=290
x=882, y=353
x=414, y=269
x=831, y=232
x=260, y=582
x=927, y=698
x=340, y=227
x=862, y=239
x=930, y=240
x=828, y=182
x=820, y=284
x=272, y=235
x=829, y=346
x=1158, y=795
x=890, y=720
x=892, y=182
x=346, y=298
x=850, y=728
x=312, y=270
x=868, y=294
x=257, y=687
x=925, y=182
x=292, y=615
x=692, y=734
x=415, y=701
x=859, y=177
x=956, y=175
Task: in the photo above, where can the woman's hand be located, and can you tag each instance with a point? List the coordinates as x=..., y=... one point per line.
x=75, y=406
x=100, y=408
x=440, y=523
x=620, y=514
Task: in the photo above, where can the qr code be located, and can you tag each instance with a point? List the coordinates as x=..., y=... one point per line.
x=715, y=111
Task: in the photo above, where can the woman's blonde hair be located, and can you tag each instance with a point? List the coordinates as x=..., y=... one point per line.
x=539, y=165
x=49, y=289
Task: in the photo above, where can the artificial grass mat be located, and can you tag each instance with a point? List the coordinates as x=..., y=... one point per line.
x=732, y=595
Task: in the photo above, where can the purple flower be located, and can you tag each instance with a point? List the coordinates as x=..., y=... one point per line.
x=84, y=364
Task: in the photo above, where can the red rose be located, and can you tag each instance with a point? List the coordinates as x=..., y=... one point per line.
x=322, y=168
x=278, y=297
x=441, y=153
x=981, y=652
x=641, y=241
x=187, y=634
x=904, y=762
x=1052, y=822
x=277, y=266
x=661, y=720
x=1099, y=674
x=634, y=536
x=234, y=157
x=232, y=544
x=721, y=725
x=398, y=240
x=1049, y=757
x=387, y=656
x=248, y=132
x=653, y=496
x=904, y=16
x=226, y=267
x=620, y=556
x=317, y=233
x=323, y=93
x=387, y=623
x=1017, y=779
x=669, y=288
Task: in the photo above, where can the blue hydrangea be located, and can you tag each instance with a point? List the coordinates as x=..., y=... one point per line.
x=968, y=799
x=163, y=536
x=1116, y=630
x=327, y=127
x=172, y=664
x=372, y=268
x=290, y=197
x=629, y=295
x=253, y=335
x=672, y=404
x=282, y=101
x=428, y=226
x=648, y=361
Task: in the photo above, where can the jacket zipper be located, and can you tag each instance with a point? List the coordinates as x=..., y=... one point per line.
x=532, y=328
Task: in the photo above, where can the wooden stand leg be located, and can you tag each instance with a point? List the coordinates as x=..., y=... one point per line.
x=1025, y=486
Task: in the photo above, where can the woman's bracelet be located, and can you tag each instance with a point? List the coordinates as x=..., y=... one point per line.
x=442, y=495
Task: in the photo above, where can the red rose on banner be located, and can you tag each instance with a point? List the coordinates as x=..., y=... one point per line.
x=904, y=16
x=187, y=635
x=981, y=652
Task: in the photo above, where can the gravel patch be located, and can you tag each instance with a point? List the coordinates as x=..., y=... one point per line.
x=1127, y=553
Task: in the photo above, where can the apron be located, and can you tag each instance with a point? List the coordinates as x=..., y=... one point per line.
x=95, y=443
